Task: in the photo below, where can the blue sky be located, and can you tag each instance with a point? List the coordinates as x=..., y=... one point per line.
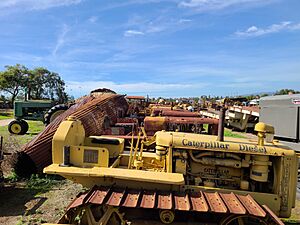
x=157, y=47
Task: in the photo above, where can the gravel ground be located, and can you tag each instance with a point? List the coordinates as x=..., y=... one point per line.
x=20, y=205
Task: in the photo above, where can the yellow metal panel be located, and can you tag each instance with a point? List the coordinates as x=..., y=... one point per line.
x=209, y=142
x=77, y=156
x=68, y=133
x=114, y=150
x=117, y=173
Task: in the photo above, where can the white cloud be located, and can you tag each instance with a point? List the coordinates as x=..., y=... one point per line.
x=81, y=88
x=254, y=31
x=184, y=21
x=130, y=33
x=61, y=39
x=159, y=24
x=156, y=28
x=93, y=19
x=295, y=27
x=211, y=5
x=35, y=4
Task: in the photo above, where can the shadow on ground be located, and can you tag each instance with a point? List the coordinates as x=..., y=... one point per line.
x=13, y=201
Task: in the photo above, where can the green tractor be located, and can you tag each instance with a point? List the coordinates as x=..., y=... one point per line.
x=39, y=110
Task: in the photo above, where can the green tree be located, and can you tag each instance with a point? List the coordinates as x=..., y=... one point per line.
x=39, y=83
x=12, y=80
x=43, y=83
x=35, y=81
x=264, y=95
x=55, y=88
x=286, y=92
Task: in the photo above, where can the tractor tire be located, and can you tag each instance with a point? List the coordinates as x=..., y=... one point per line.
x=25, y=126
x=54, y=112
x=17, y=127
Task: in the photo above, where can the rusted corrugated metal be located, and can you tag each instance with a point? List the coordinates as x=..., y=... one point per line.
x=198, y=201
x=97, y=113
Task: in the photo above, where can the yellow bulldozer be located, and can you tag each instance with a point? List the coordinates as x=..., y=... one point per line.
x=175, y=177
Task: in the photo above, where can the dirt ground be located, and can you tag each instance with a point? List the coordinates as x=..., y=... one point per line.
x=5, y=122
x=295, y=217
x=21, y=205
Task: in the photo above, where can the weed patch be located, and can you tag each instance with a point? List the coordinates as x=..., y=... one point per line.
x=42, y=183
x=12, y=177
x=229, y=133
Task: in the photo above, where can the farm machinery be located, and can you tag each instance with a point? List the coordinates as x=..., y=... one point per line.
x=175, y=177
x=40, y=110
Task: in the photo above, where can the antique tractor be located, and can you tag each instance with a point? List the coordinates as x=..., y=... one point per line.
x=40, y=110
x=175, y=177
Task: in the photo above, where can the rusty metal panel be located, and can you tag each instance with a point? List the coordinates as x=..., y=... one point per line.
x=153, y=124
x=164, y=201
x=181, y=202
x=131, y=198
x=198, y=202
x=177, y=113
x=272, y=215
x=77, y=201
x=98, y=196
x=191, y=120
x=115, y=198
x=215, y=202
x=135, y=97
x=148, y=199
x=233, y=204
x=251, y=205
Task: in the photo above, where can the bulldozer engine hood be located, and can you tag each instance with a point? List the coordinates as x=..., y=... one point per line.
x=205, y=142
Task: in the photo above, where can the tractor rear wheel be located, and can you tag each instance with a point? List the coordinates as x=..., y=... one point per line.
x=25, y=126
x=18, y=127
x=54, y=112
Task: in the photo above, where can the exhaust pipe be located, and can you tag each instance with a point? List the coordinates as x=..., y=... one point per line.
x=221, y=124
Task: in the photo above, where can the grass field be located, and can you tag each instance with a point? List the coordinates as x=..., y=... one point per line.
x=6, y=114
x=34, y=128
x=230, y=133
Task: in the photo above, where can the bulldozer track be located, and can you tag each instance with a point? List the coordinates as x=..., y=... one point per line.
x=223, y=205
